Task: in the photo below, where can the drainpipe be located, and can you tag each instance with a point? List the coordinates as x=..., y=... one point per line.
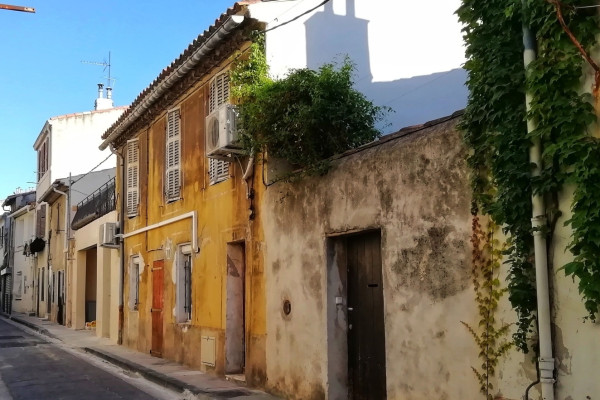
x=538, y=222
x=66, y=214
x=121, y=246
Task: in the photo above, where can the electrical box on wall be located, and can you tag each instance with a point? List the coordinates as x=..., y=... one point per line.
x=208, y=350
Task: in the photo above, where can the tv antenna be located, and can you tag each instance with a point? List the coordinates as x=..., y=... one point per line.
x=106, y=65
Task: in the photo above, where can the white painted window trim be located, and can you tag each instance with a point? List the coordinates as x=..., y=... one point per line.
x=134, y=282
x=173, y=178
x=183, y=288
x=133, y=177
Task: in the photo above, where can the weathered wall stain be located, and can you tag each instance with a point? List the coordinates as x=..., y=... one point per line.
x=436, y=264
x=415, y=191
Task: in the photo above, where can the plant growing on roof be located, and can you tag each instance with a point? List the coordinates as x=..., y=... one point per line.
x=304, y=118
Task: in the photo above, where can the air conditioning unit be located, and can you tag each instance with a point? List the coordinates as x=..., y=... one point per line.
x=108, y=231
x=221, y=132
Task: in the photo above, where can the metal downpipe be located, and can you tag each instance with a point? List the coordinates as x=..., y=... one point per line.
x=538, y=223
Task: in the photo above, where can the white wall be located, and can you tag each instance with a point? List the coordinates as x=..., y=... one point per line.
x=24, y=272
x=75, y=141
x=408, y=54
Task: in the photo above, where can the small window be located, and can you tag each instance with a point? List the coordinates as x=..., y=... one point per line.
x=184, y=284
x=173, y=157
x=134, y=283
x=133, y=176
x=218, y=170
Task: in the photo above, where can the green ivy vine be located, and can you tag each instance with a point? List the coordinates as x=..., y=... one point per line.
x=494, y=127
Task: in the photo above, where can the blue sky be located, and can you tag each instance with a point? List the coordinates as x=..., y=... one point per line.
x=41, y=73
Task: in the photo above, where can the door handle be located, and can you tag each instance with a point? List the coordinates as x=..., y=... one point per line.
x=350, y=309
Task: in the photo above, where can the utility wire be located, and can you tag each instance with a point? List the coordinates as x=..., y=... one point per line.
x=296, y=17
x=91, y=170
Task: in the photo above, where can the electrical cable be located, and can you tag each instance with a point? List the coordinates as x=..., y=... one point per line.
x=296, y=17
x=90, y=171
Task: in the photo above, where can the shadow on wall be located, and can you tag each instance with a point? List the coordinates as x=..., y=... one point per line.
x=414, y=100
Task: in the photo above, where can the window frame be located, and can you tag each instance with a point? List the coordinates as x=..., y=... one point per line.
x=173, y=187
x=42, y=155
x=134, y=282
x=184, y=288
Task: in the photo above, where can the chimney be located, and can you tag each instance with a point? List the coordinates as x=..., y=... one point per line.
x=102, y=103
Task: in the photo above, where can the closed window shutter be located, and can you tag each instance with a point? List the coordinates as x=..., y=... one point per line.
x=133, y=174
x=173, y=157
x=218, y=170
x=41, y=222
x=219, y=91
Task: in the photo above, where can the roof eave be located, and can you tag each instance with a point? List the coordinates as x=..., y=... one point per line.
x=154, y=93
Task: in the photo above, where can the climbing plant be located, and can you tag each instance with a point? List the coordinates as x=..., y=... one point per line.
x=305, y=117
x=495, y=130
x=489, y=334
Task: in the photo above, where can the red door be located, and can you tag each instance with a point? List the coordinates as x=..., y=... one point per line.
x=157, y=308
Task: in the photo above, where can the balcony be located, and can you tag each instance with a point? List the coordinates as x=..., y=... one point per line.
x=97, y=204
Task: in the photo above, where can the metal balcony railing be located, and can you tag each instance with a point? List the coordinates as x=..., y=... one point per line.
x=97, y=204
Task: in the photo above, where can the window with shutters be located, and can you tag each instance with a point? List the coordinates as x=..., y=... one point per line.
x=42, y=159
x=40, y=227
x=133, y=177
x=218, y=170
x=173, y=157
x=183, y=311
x=219, y=91
x=134, y=282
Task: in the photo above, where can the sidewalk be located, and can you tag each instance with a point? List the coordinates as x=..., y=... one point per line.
x=162, y=372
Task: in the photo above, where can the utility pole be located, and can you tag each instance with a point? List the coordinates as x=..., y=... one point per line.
x=17, y=8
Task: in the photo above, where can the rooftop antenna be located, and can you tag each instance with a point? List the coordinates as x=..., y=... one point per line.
x=104, y=64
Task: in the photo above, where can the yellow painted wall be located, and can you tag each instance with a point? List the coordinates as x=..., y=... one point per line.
x=223, y=217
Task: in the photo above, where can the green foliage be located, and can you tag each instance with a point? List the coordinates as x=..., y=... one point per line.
x=304, y=118
x=489, y=334
x=494, y=127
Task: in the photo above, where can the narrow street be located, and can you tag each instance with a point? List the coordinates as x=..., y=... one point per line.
x=34, y=369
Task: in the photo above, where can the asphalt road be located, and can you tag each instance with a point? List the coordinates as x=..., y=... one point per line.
x=32, y=368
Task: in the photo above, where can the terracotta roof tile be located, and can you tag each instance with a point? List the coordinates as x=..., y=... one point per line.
x=235, y=9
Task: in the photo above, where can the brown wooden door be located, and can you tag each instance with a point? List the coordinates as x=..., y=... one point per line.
x=366, y=329
x=157, y=308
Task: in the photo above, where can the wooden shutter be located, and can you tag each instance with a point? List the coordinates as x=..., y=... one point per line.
x=219, y=91
x=218, y=170
x=133, y=177
x=40, y=230
x=173, y=157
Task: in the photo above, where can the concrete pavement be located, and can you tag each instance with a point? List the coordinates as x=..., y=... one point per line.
x=163, y=372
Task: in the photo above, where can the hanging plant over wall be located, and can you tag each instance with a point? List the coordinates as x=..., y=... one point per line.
x=305, y=117
x=495, y=131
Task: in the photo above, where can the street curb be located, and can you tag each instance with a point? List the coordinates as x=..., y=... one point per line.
x=32, y=326
x=156, y=377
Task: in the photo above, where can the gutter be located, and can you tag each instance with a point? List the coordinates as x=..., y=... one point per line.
x=223, y=31
x=192, y=214
x=538, y=223
x=67, y=212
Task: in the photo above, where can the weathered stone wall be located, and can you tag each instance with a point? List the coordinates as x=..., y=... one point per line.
x=413, y=187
